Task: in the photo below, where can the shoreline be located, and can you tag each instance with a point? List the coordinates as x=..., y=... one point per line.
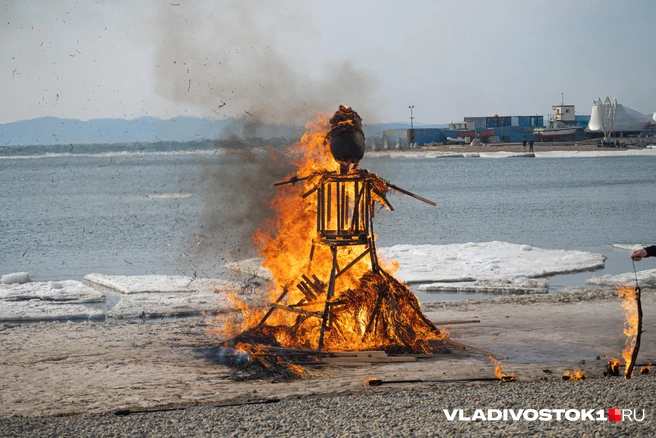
x=570, y=146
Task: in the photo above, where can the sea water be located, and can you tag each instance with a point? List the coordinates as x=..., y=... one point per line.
x=585, y=204
x=137, y=212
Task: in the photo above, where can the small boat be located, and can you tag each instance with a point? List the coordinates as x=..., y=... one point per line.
x=556, y=129
x=455, y=140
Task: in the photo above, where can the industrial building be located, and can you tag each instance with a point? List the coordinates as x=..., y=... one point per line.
x=492, y=129
x=563, y=124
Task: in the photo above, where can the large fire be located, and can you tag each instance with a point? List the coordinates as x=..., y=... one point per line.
x=326, y=282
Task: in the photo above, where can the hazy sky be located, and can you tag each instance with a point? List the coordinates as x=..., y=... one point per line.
x=281, y=60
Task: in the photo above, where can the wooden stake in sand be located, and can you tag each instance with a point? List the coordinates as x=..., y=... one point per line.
x=628, y=371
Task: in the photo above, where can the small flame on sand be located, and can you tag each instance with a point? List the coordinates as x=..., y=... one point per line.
x=498, y=371
x=372, y=381
x=631, y=320
x=576, y=374
x=646, y=369
x=613, y=365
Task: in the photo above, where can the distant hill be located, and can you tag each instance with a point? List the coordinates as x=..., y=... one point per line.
x=53, y=131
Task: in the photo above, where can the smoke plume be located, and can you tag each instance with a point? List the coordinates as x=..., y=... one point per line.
x=232, y=59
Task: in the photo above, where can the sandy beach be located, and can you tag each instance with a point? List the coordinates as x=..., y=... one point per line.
x=82, y=368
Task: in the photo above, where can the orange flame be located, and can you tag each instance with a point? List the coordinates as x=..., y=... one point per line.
x=614, y=365
x=368, y=382
x=577, y=374
x=268, y=360
x=646, y=369
x=498, y=371
x=631, y=320
x=291, y=247
x=228, y=325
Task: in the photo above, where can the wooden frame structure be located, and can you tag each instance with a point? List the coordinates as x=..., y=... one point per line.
x=345, y=204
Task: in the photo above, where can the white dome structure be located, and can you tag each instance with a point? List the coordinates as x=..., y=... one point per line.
x=623, y=119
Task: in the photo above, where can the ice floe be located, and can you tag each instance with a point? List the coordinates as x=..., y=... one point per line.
x=158, y=296
x=15, y=278
x=37, y=310
x=498, y=267
x=161, y=305
x=68, y=291
x=138, y=284
x=490, y=261
x=47, y=301
x=628, y=246
x=519, y=285
x=645, y=279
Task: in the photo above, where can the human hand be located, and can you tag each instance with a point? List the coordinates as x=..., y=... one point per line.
x=638, y=254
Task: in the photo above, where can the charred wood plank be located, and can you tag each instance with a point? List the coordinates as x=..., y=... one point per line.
x=456, y=321
x=405, y=192
x=379, y=382
x=309, y=192
x=305, y=290
x=271, y=309
x=296, y=310
x=292, y=180
x=355, y=260
x=317, y=285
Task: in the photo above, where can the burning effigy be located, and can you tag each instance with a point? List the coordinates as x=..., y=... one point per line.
x=330, y=290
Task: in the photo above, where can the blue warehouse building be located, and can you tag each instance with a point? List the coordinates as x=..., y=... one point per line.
x=508, y=129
